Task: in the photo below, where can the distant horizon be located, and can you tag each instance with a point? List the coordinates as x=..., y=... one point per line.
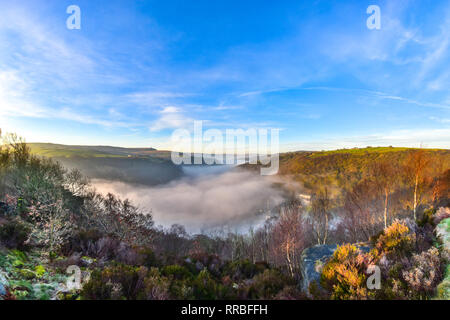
x=348, y=148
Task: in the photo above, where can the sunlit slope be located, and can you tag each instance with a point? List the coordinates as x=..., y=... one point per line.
x=146, y=166
x=341, y=169
x=350, y=160
x=66, y=151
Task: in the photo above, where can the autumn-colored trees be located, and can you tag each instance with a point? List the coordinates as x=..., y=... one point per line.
x=361, y=217
x=441, y=189
x=384, y=175
x=388, y=185
x=366, y=204
x=409, y=267
x=415, y=173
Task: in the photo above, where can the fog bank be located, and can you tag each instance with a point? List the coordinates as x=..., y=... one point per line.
x=234, y=199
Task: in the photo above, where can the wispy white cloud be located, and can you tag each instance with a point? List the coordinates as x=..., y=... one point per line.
x=171, y=118
x=13, y=98
x=412, y=101
x=39, y=54
x=16, y=102
x=155, y=98
x=437, y=51
x=401, y=55
x=441, y=120
x=38, y=68
x=355, y=91
x=260, y=92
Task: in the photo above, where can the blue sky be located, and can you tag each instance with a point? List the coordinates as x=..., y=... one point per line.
x=137, y=70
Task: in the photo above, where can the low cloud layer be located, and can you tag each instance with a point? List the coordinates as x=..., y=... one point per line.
x=233, y=199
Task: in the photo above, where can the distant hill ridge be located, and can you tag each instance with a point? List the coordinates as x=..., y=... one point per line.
x=319, y=162
x=342, y=168
x=146, y=166
x=336, y=168
x=68, y=151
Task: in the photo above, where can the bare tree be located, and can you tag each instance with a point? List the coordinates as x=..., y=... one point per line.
x=289, y=237
x=441, y=190
x=384, y=175
x=118, y=218
x=415, y=173
x=263, y=237
x=361, y=218
x=320, y=214
x=76, y=183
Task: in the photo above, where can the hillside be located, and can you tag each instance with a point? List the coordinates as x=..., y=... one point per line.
x=146, y=166
x=67, y=151
x=341, y=169
x=348, y=160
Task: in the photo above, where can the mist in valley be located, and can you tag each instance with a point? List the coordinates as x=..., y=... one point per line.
x=207, y=198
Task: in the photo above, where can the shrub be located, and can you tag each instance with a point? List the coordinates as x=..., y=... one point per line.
x=93, y=244
x=176, y=272
x=119, y=219
x=5, y=209
x=82, y=242
x=63, y=263
x=205, y=287
x=27, y=274
x=424, y=274
x=243, y=269
x=344, y=276
x=123, y=282
x=198, y=261
x=268, y=284
x=410, y=268
x=412, y=275
x=127, y=255
x=427, y=218
x=155, y=287
x=290, y=293
x=181, y=289
x=51, y=225
x=441, y=214
x=317, y=292
x=396, y=240
x=40, y=271
x=97, y=289
x=443, y=289
x=14, y=234
x=148, y=257
x=116, y=282
x=17, y=258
